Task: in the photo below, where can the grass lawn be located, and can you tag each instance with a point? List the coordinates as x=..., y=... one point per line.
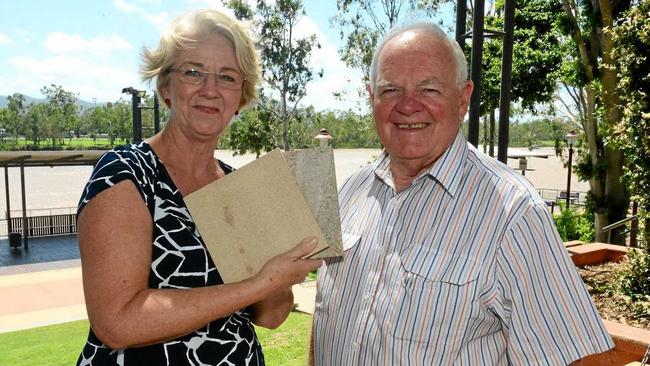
x=60, y=344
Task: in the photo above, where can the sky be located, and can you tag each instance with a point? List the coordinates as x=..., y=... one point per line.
x=93, y=47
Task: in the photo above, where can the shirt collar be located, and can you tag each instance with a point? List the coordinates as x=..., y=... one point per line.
x=447, y=170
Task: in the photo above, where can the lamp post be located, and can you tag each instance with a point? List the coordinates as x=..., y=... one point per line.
x=137, y=105
x=136, y=97
x=570, y=139
x=323, y=137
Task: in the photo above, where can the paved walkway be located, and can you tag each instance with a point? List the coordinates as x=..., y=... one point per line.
x=38, y=291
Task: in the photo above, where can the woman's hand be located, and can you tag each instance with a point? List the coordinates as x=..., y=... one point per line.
x=279, y=274
x=289, y=268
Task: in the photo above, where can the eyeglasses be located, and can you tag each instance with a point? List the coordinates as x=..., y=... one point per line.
x=230, y=81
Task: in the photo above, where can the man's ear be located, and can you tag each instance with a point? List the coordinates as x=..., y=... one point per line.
x=465, y=96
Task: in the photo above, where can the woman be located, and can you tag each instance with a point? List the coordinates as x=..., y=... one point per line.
x=153, y=294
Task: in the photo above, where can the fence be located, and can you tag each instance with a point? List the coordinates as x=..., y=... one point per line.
x=42, y=222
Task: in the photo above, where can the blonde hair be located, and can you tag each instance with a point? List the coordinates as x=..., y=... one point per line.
x=183, y=33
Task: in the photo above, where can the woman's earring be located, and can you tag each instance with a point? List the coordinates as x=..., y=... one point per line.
x=236, y=113
x=168, y=102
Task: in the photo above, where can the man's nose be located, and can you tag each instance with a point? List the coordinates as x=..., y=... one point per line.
x=409, y=104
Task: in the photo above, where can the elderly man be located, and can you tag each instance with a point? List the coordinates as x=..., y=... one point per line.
x=451, y=258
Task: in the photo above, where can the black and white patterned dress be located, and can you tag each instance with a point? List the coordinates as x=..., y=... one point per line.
x=179, y=260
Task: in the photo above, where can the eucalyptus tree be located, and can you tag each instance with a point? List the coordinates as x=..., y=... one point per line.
x=285, y=55
x=362, y=23
x=591, y=68
x=62, y=116
x=17, y=108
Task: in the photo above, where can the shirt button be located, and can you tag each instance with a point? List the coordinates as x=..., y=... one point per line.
x=355, y=345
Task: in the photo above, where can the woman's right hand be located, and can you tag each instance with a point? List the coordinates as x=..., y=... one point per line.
x=290, y=268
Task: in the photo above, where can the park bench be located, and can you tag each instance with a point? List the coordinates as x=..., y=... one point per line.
x=573, y=197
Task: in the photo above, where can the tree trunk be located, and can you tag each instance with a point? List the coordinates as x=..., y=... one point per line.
x=617, y=201
x=285, y=122
x=607, y=163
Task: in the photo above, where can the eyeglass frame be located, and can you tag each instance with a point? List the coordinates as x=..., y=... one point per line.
x=204, y=77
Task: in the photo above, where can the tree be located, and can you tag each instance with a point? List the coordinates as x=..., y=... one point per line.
x=62, y=114
x=363, y=23
x=631, y=133
x=536, y=59
x=285, y=57
x=17, y=107
x=252, y=130
x=38, y=116
x=595, y=71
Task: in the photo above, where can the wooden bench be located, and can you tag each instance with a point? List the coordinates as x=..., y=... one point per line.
x=573, y=197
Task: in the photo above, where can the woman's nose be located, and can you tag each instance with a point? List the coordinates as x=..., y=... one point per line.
x=209, y=87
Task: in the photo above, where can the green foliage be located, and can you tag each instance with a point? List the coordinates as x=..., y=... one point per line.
x=573, y=225
x=54, y=124
x=285, y=58
x=632, y=133
x=634, y=280
x=536, y=59
x=252, y=131
x=363, y=22
x=61, y=113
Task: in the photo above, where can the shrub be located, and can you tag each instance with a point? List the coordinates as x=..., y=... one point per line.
x=574, y=225
x=634, y=277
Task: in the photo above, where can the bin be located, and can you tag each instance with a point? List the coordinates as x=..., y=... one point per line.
x=15, y=240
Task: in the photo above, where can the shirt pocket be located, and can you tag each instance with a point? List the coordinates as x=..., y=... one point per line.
x=437, y=293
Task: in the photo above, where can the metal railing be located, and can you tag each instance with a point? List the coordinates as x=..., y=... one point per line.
x=617, y=224
x=41, y=222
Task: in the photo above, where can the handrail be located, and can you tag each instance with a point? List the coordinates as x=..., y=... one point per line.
x=619, y=223
x=613, y=226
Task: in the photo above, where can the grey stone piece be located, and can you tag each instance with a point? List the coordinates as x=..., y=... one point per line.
x=314, y=172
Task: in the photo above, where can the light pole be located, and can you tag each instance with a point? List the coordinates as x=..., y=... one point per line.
x=136, y=97
x=570, y=139
x=137, y=106
x=323, y=137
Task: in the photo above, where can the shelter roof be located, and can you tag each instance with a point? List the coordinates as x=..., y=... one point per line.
x=49, y=158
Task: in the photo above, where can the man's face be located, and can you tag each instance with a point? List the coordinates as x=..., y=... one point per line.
x=417, y=103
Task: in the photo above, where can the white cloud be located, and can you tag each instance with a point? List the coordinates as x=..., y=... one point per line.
x=90, y=79
x=159, y=20
x=337, y=77
x=102, y=45
x=126, y=7
x=4, y=39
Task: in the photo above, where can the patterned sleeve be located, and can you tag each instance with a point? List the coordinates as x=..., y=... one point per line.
x=548, y=315
x=114, y=167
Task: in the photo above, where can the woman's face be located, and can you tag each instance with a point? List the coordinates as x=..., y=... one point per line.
x=204, y=89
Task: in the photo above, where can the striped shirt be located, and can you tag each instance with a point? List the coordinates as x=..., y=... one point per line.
x=464, y=267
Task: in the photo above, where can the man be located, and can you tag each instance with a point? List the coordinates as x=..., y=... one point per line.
x=450, y=256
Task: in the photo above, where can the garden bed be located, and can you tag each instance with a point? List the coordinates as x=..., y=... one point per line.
x=627, y=320
x=611, y=304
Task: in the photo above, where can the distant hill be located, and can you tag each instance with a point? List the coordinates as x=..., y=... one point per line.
x=81, y=103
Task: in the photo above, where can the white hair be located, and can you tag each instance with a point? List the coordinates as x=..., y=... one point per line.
x=426, y=28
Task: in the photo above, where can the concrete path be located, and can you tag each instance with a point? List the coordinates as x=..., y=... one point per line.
x=44, y=297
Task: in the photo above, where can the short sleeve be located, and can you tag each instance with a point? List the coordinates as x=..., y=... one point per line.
x=547, y=313
x=118, y=165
